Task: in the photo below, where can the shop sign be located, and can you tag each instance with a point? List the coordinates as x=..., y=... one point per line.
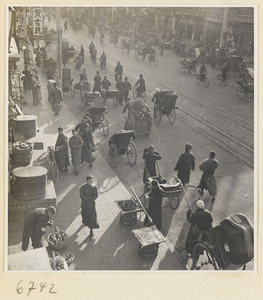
x=37, y=20
x=21, y=21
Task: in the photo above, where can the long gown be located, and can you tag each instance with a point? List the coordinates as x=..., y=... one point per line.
x=76, y=143
x=61, y=156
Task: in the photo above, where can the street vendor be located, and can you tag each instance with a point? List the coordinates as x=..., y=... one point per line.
x=150, y=157
x=155, y=206
x=34, y=224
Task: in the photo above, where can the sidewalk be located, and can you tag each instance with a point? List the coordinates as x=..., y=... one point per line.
x=114, y=246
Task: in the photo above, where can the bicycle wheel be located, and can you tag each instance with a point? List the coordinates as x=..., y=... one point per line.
x=115, y=100
x=172, y=116
x=182, y=68
x=206, y=82
x=204, y=258
x=250, y=93
x=157, y=115
x=131, y=153
x=240, y=92
x=219, y=77
x=143, y=97
x=134, y=92
x=54, y=171
x=113, y=153
x=198, y=78
x=105, y=69
x=174, y=201
x=105, y=126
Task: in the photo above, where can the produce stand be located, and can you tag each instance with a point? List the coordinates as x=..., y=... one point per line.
x=129, y=209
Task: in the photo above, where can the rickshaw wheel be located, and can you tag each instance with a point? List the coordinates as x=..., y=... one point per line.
x=250, y=95
x=204, y=258
x=174, y=201
x=115, y=100
x=134, y=91
x=172, y=116
x=105, y=126
x=206, y=82
x=131, y=153
x=198, y=78
x=54, y=171
x=113, y=153
x=182, y=68
x=157, y=115
x=240, y=92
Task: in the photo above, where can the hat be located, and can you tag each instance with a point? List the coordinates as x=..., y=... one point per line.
x=151, y=148
x=157, y=90
x=51, y=209
x=200, y=204
x=89, y=177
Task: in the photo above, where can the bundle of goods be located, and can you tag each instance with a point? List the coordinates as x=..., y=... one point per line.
x=58, y=263
x=22, y=153
x=140, y=111
x=58, y=239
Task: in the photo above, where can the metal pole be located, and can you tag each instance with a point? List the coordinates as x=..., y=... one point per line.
x=59, y=60
x=223, y=28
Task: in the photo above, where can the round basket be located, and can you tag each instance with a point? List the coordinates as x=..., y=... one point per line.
x=69, y=258
x=60, y=244
x=150, y=251
x=128, y=218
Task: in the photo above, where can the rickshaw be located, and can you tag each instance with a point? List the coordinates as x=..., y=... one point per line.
x=138, y=118
x=120, y=144
x=189, y=65
x=99, y=120
x=245, y=89
x=89, y=98
x=110, y=94
x=227, y=246
x=67, y=82
x=166, y=106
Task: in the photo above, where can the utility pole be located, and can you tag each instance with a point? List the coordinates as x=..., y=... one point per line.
x=223, y=28
x=59, y=60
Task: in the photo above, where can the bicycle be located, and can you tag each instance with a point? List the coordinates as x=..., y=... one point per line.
x=227, y=81
x=52, y=163
x=205, y=80
x=103, y=68
x=135, y=94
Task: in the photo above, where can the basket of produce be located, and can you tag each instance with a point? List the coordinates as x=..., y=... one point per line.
x=58, y=263
x=57, y=239
x=69, y=258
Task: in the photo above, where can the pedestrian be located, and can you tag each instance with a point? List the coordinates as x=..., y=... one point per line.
x=34, y=224
x=103, y=60
x=66, y=25
x=155, y=206
x=61, y=153
x=208, y=180
x=120, y=88
x=118, y=71
x=88, y=194
x=75, y=144
x=162, y=47
x=83, y=76
x=56, y=99
x=150, y=157
x=36, y=89
x=200, y=220
x=88, y=146
x=141, y=86
x=185, y=164
x=97, y=81
x=127, y=88
x=82, y=53
x=105, y=83
x=27, y=80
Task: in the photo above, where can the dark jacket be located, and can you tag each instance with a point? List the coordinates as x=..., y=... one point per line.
x=35, y=221
x=202, y=218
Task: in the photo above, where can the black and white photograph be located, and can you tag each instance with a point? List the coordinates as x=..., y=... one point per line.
x=131, y=139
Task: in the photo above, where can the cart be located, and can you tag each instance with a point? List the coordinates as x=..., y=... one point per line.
x=67, y=81
x=89, y=98
x=129, y=209
x=110, y=94
x=228, y=246
x=120, y=144
x=99, y=120
x=166, y=106
x=138, y=118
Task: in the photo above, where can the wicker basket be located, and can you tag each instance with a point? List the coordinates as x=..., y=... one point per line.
x=149, y=252
x=61, y=244
x=69, y=258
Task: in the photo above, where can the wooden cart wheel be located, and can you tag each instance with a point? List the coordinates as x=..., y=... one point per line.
x=105, y=126
x=113, y=153
x=204, y=258
x=149, y=252
x=131, y=153
x=172, y=116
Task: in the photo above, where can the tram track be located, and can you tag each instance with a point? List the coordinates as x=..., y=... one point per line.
x=238, y=146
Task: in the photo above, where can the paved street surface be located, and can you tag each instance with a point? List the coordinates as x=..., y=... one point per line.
x=114, y=246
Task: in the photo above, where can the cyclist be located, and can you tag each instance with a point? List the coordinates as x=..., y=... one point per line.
x=141, y=86
x=156, y=97
x=203, y=72
x=225, y=72
x=118, y=71
x=102, y=37
x=78, y=61
x=103, y=60
x=152, y=54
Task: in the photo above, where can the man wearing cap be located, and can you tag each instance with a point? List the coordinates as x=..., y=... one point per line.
x=141, y=86
x=88, y=194
x=208, y=180
x=155, y=206
x=150, y=157
x=34, y=224
x=200, y=220
x=185, y=164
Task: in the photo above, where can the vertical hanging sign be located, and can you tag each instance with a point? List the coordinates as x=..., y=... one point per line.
x=37, y=20
x=21, y=21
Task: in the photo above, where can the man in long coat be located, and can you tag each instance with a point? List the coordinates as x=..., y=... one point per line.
x=27, y=80
x=150, y=157
x=56, y=98
x=75, y=143
x=208, y=180
x=61, y=155
x=34, y=224
x=88, y=194
x=185, y=164
x=97, y=81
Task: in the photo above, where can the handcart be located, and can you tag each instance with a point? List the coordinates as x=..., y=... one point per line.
x=89, y=98
x=228, y=246
x=67, y=81
x=120, y=144
x=99, y=120
x=166, y=106
x=110, y=94
x=139, y=118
